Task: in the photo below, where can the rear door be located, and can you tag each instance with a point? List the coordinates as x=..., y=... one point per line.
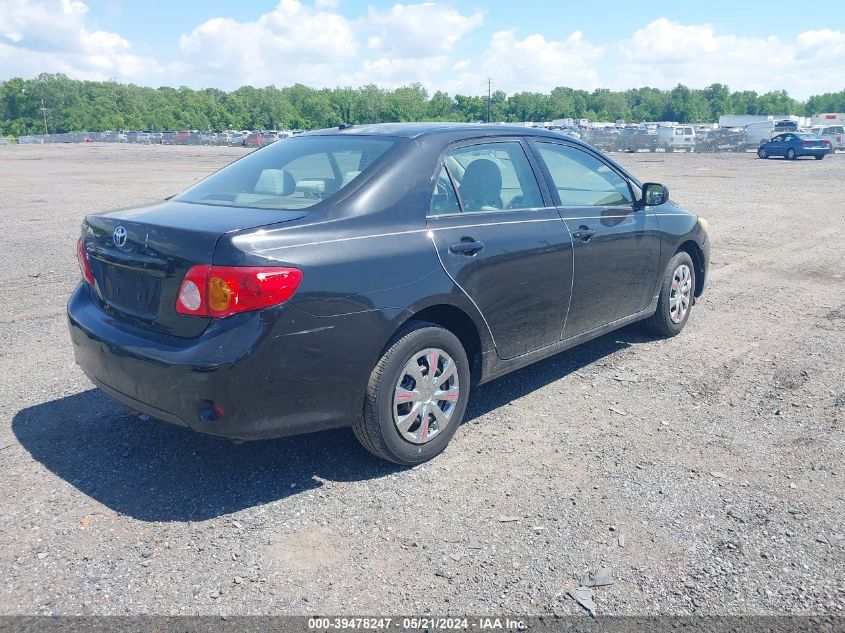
x=616, y=247
x=503, y=242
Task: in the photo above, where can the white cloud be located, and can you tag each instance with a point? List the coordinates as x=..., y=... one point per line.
x=666, y=53
x=417, y=31
x=54, y=36
x=392, y=72
x=293, y=43
x=537, y=64
x=411, y=43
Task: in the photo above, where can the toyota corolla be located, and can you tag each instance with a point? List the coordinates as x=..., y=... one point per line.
x=370, y=276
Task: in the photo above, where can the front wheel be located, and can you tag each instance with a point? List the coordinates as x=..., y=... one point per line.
x=677, y=293
x=762, y=153
x=416, y=395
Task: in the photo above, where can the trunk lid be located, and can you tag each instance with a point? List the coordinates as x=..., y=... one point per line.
x=140, y=256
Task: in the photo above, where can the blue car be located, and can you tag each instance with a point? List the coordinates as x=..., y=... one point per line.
x=792, y=145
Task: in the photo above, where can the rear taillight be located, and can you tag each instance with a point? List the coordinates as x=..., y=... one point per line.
x=84, y=265
x=806, y=143
x=220, y=291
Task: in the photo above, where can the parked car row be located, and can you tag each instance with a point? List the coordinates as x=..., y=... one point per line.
x=668, y=138
x=245, y=138
x=775, y=139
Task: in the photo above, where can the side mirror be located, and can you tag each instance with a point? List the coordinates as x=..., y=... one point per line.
x=654, y=194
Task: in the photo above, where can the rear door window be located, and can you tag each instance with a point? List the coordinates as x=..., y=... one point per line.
x=445, y=198
x=493, y=176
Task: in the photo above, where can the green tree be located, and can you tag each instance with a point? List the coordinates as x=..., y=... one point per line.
x=73, y=105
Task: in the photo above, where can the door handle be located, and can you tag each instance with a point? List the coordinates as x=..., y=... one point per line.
x=584, y=233
x=467, y=246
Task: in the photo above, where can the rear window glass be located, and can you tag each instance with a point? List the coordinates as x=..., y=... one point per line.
x=292, y=174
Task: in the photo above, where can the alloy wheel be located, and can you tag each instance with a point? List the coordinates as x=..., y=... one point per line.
x=425, y=395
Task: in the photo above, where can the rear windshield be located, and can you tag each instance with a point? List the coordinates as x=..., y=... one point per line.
x=295, y=173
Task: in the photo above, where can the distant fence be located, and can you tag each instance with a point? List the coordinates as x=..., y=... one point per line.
x=141, y=138
x=70, y=137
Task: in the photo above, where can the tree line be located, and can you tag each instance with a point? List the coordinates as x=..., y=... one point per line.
x=71, y=105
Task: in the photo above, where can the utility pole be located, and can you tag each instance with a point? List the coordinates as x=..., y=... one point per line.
x=489, y=97
x=44, y=112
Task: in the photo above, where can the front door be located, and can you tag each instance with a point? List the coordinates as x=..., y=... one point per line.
x=778, y=146
x=502, y=244
x=616, y=246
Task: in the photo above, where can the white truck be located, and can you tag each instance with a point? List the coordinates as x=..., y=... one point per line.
x=676, y=137
x=834, y=134
x=762, y=131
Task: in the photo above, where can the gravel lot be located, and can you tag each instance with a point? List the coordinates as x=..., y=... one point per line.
x=706, y=472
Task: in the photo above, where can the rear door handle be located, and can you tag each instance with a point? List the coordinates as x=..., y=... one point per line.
x=467, y=246
x=583, y=233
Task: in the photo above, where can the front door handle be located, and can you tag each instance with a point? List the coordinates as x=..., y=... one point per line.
x=467, y=246
x=584, y=233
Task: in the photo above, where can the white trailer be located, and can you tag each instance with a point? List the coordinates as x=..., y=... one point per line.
x=763, y=131
x=741, y=120
x=830, y=118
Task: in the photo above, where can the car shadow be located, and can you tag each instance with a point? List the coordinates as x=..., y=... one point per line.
x=154, y=471
x=501, y=391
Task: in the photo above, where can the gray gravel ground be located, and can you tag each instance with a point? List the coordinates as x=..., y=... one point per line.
x=705, y=471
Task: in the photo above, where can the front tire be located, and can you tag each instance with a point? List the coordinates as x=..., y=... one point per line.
x=677, y=293
x=416, y=396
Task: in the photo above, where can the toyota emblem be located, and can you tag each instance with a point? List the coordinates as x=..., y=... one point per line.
x=119, y=236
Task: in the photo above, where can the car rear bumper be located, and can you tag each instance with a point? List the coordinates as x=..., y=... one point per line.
x=813, y=151
x=270, y=376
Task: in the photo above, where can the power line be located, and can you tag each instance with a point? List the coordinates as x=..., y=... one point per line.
x=489, y=97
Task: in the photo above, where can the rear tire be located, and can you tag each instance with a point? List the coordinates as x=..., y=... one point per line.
x=379, y=429
x=820, y=157
x=790, y=154
x=678, y=284
x=762, y=153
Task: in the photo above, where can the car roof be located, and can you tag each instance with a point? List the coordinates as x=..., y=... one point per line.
x=418, y=130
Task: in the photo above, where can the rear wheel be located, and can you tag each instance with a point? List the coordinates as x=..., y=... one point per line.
x=790, y=154
x=676, y=297
x=820, y=157
x=762, y=153
x=416, y=396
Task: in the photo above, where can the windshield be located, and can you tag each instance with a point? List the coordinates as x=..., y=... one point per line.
x=295, y=173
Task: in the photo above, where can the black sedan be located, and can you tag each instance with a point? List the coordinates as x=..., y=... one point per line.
x=369, y=276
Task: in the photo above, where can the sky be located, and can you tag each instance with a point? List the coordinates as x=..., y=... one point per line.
x=456, y=45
